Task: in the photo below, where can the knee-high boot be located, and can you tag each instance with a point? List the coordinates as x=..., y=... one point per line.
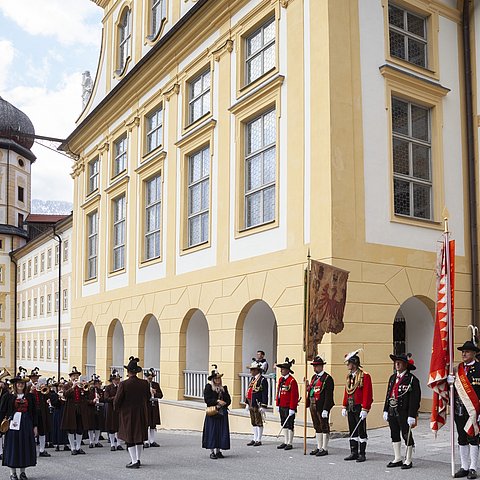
x=353, y=450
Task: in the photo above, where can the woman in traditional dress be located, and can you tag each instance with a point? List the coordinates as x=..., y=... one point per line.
x=216, y=432
x=19, y=407
x=57, y=400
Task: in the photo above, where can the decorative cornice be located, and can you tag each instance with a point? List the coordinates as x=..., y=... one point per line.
x=226, y=47
x=175, y=89
x=134, y=122
x=77, y=168
x=285, y=3
x=104, y=147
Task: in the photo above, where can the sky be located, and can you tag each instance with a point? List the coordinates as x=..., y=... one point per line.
x=45, y=45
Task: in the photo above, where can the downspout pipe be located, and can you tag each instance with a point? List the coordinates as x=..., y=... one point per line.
x=472, y=182
x=15, y=312
x=59, y=321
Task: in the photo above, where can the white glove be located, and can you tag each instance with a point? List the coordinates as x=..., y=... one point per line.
x=478, y=419
x=363, y=414
x=247, y=407
x=450, y=379
x=291, y=412
x=261, y=410
x=278, y=409
x=344, y=412
x=385, y=416
x=324, y=414
x=411, y=421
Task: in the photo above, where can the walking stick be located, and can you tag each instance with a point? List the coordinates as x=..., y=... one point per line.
x=408, y=440
x=355, y=429
x=283, y=426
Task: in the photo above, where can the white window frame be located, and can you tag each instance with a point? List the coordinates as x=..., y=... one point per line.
x=201, y=97
x=93, y=175
x=49, y=303
x=42, y=262
x=65, y=349
x=65, y=250
x=92, y=241
x=119, y=230
x=120, y=155
x=158, y=13
x=153, y=206
x=124, y=38
x=65, y=299
x=35, y=265
x=154, y=137
x=57, y=300
x=57, y=254
x=260, y=52
x=42, y=305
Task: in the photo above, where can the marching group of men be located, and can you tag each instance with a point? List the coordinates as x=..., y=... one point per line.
x=69, y=411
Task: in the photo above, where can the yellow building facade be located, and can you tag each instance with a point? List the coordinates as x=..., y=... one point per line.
x=223, y=141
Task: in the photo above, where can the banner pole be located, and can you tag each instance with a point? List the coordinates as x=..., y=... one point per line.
x=450, y=342
x=306, y=336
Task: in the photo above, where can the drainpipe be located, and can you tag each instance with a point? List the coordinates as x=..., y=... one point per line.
x=472, y=183
x=15, y=312
x=59, y=323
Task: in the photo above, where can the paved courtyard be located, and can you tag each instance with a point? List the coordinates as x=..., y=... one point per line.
x=180, y=457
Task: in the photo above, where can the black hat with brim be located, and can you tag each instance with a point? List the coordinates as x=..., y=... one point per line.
x=214, y=373
x=133, y=365
x=287, y=364
x=404, y=358
x=469, y=345
x=318, y=360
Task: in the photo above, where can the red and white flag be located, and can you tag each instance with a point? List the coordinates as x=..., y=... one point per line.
x=442, y=336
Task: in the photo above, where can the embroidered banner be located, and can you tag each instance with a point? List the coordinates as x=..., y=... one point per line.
x=469, y=399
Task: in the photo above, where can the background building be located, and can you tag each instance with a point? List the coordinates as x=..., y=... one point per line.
x=41, y=305
x=222, y=141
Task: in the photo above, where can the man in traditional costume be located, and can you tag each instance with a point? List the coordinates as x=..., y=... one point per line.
x=357, y=401
x=42, y=408
x=402, y=403
x=111, y=415
x=256, y=401
x=287, y=402
x=467, y=408
x=153, y=407
x=320, y=401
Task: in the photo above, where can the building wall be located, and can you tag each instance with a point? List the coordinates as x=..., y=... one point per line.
x=334, y=200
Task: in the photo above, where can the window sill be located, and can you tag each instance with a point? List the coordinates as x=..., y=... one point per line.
x=414, y=68
x=245, y=88
x=200, y=129
x=151, y=159
x=120, y=72
x=90, y=281
x=90, y=200
x=195, y=248
x=151, y=39
x=191, y=126
x=149, y=262
x=119, y=182
x=416, y=222
x=116, y=273
x=262, y=227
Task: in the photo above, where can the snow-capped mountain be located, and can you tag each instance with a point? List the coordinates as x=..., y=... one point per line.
x=51, y=207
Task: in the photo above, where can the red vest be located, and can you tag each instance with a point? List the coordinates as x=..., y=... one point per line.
x=363, y=395
x=316, y=384
x=287, y=393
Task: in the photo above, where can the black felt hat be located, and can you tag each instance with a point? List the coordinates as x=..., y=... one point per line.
x=114, y=374
x=150, y=373
x=215, y=373
x=21, y=376
x=74, y=372
x=133, y=365
x=318, y=360
x=405, y=357
x=469, y=345
x=287, y=364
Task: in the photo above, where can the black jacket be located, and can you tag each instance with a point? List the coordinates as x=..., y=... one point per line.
x=409, y=394
x=259, y=393
x=7, y=408
x=325, y=402
x=211, y=396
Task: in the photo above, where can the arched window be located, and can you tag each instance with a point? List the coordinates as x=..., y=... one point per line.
x=158, y=13
x=124, y=36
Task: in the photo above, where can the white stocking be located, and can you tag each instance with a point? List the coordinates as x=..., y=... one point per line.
x=41, y=441
x=111, y=437
x=259, y=434
x=318, y=436
x=71, y=441
x=151, y=435
x=464, y=456
x=96, y=438
x=78, y=441
x=473, y=457
x=139, y=451
x=326, y=438
x=285, y=434
x=91, y=437
x=133, y=454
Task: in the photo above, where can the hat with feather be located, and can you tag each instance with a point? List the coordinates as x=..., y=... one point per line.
x=215, y=373
x=287, y=364
x=133, y=366
x=352, y=357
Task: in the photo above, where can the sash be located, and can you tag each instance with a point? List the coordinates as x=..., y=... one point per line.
x=469, y=399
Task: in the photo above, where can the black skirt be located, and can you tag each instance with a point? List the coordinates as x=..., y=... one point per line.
x=19, y=445
x=59, y=436
x=216, y=432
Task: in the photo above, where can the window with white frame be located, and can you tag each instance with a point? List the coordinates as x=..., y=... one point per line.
x=18, y=349
x=119, y=212
x=408, y=35
x=49, y=349
x=29, y=308
x=154, y=129
x=93, y=174
x=23, y=309
x=120, y=152
x=199, y=96
x=35, y=265
x=42, y=262
x=18, y=311
x=198, y=197
x=1, y=349
x=124, y=37
x=57, y=254
x=158, y=14
x=153, y=193
x=42, y=349
x=260, y=169
x=35, y=306
x=49, y=258
x=57, y=299
x=29, y=349
x=65, y=349
x=35, y=349
x=92, y=222
x=260, y=51
x=65, y=250
x=42, y=305
x=23, y=272
x=1, y=311
x=30, y=268
x=49, y=303
x=412, y=163
x=23, y=348
x=65, y=299
x=1, y=274
x=55, y=349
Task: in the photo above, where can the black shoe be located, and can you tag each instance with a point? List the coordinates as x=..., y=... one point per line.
x=407, y=466
x=352, y=456
x=146, y=445
x=288, y=447
x=98, y=445
x=257, y=444
x=219, y=455
x=322, y=453
x=213, y=456
x=13, y=477
x=472, y=473
x=44, y=454
x=361, y=458
x=119, y=447
x=101, y=437
x=133, y=465
x=394, y=464
x=82, y=443
x=461, y=473
x=314, y=452
x=251, y=443
x=49, y=445
x=74, y=452
x=23, y=476
x=66, y=448
x=113, y=449
x=91, y=445
x=80, y=452
x=57, y=448
x=154, y=444
x=281, y=446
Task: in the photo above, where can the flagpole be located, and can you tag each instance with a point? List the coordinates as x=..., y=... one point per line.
x=306, y=326
x=450, y=342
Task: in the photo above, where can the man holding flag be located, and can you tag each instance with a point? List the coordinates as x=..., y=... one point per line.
x=467, y=408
